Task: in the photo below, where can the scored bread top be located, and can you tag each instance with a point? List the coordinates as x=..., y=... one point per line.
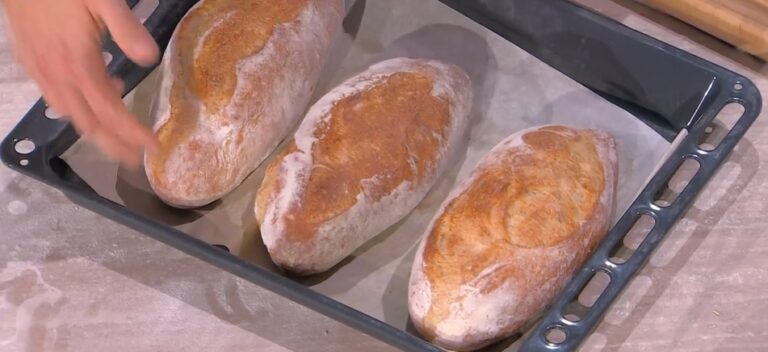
x=372, y=142
x=232, y=30
x=379, y=135
x=545, y=188
x=237, y=76
x=210, y=42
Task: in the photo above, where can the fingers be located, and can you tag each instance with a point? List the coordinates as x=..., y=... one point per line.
x=127, y=32
x=91, y=101
x=98, y=90
x=51, y=98
x=63, y=96
x=68, y=66
x=96, y=131
x=114, y=149
x=68, y=100
x=117, y=84
x=92, y=129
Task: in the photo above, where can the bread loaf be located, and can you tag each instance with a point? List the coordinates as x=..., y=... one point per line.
x=237, y=77
x=365, y=155
x=508, y=239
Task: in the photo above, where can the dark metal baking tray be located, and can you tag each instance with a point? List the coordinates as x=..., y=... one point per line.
x=677, y=94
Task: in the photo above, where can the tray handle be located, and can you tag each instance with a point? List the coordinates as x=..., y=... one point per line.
x=556, y=332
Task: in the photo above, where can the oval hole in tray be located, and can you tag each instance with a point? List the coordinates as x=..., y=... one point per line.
x=728, y=116
x=107, y=57
x=594, y=288
x=24, y=146
x=145, y=8
x=52, y=114
x=578, y=308
x=556, y=335
x=575, y=311
x=624, y=249
x=677, y=183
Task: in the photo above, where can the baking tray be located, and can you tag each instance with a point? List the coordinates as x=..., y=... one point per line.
x=673, y=92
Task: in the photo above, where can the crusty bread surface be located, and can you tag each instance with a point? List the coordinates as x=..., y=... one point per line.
x=508, y=238
x=237, y=77
x=366, y=154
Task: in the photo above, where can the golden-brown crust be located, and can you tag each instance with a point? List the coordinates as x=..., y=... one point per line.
x=248, y=26
x=365, y=155
x=391, y=132
x=537, y=194
x=207, y=72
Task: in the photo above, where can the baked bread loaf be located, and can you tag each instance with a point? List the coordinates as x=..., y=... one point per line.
x=237, y=77
x=508, y=239
x=365, y=155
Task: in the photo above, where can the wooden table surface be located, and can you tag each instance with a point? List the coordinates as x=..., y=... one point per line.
x=743, y=23
x=71, y=280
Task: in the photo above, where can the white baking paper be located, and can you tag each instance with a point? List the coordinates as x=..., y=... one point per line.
x=513, y=91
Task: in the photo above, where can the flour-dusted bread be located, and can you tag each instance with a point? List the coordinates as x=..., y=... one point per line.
x=365, y=155
x=237, y=77
x=509, y=238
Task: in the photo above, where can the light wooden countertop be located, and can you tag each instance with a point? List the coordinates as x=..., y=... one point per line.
x=71, y=280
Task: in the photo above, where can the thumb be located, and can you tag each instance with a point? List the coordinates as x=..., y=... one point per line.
x=126, y=30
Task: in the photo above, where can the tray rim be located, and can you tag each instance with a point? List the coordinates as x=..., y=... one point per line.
x=56, y=136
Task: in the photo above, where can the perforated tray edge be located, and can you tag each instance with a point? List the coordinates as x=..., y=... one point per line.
x=53, y=137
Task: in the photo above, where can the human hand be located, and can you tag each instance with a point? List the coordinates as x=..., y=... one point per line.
x=59, y=44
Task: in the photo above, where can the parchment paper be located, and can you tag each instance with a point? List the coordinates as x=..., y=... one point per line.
x=513, y=91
